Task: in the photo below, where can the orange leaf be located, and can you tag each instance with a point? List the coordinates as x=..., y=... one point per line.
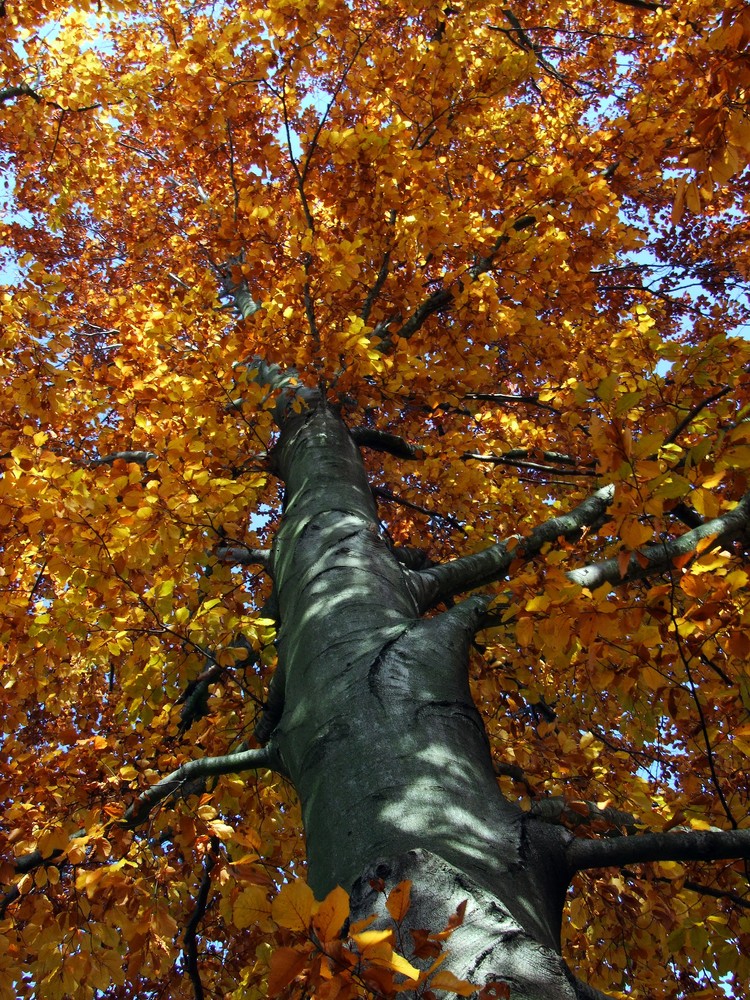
x=679, y=561
x=705, y=543
x=495, y=991
x=399, y=900
x=286, y=964
x=678, y=209
x=446, y=980
x=332, y=914
x=623, y=561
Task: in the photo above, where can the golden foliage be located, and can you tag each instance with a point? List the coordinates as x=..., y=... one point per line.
x=573, y=181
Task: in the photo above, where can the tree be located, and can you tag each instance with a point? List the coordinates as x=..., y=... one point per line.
x=373, y=456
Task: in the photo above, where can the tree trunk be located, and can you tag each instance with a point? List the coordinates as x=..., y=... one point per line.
x=376, y=727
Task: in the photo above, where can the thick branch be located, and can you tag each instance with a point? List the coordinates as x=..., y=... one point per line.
x=369, y=437
x=481, y=568
x=237, y=291
x=558, y=810
x=697, y=845
x=469, y=572
x=234, y=763
x=725, y=529
x=22, y=90
x=242, y=555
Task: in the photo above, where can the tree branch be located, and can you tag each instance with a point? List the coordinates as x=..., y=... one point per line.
x=556, y=809
x=469, y=572
x=243, y=555
x=519, y=457
x=693, y=413
x=190, y=938
x=383, y=493
x=247, y=760
x=369, y=437
x=22, y=90
x=696, y=845
x=442, y=298
x=139, y=457
x=641, y=4
x=374, y=292
x=502, y=397
x=725, y=529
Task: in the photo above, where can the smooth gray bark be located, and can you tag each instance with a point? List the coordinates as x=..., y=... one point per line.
x=379, y=734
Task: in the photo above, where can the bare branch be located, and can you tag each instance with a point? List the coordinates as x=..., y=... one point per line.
x=383, y=493
x=377, y=287
x=22, y=90
x=503, y=397
x=468, y=572
x=369, y=437
x=442, y=298
x=190, y=939
x=234, y=763
x=696, y=845
x=243, y=555
x=641, y=4
x=519, y=457
x=652, y=559
x=708, y=890
x=693, y=413
x=139, y=457
x=556, y=809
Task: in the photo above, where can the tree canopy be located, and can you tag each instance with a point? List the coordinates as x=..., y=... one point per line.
x=511, y=244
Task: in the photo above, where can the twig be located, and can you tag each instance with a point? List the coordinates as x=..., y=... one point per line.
x=384, y=493
x=693, y=413
x=190, y=938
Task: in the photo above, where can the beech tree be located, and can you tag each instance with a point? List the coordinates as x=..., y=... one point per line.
x=373, y=499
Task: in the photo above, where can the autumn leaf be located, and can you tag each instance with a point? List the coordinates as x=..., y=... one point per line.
x=331, y=914
x=286, y=964
x=398, y=900
x=323, y=326
x=447, y=981
x=293, y=906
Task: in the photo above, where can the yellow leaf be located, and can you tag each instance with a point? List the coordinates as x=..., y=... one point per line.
x=399, y=964
x=252, y=907
x=524, y=631
x=652, y=679
x=367, y=939
x=221, y=830
x=293, y=907
x=540, y=603
x=713, y=480
x=633, y=534
x=331, y=914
